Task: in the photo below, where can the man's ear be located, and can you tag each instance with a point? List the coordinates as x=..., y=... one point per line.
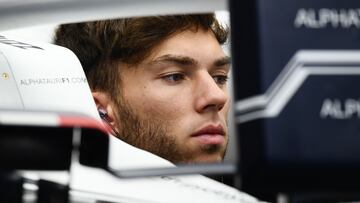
x=105, y=106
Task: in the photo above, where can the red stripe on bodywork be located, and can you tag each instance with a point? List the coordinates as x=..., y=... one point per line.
x=68, y=121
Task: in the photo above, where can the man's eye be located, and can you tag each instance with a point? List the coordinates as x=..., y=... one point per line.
x=174, y=78
x=221, y=79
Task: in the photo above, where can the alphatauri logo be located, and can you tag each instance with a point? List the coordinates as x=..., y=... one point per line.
x=327, y=18
x=340, y=109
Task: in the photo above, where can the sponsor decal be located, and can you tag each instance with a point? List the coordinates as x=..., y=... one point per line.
x=18, y=44
x=52, y=81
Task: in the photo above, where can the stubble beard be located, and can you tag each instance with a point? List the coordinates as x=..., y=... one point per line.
x=151, y=134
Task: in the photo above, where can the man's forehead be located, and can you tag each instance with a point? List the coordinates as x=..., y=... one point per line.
x=188, y=44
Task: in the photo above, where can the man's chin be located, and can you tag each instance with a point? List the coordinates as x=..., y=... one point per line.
x=206, y=158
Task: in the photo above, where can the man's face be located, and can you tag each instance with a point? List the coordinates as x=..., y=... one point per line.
x=175, y=102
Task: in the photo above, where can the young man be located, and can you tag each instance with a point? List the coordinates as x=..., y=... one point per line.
x=160, y=82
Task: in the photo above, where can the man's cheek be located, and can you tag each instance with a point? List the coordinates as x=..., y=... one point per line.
x=167, y=108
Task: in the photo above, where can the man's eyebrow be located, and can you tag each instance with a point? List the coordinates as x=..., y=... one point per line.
x=176, y=59
x=226, y=60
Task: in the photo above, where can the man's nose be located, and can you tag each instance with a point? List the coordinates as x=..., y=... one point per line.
x=209, y=95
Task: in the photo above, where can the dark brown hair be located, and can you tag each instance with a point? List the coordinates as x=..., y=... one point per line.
x=101, y=45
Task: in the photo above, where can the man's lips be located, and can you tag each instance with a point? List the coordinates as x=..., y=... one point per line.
x=211, y=134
